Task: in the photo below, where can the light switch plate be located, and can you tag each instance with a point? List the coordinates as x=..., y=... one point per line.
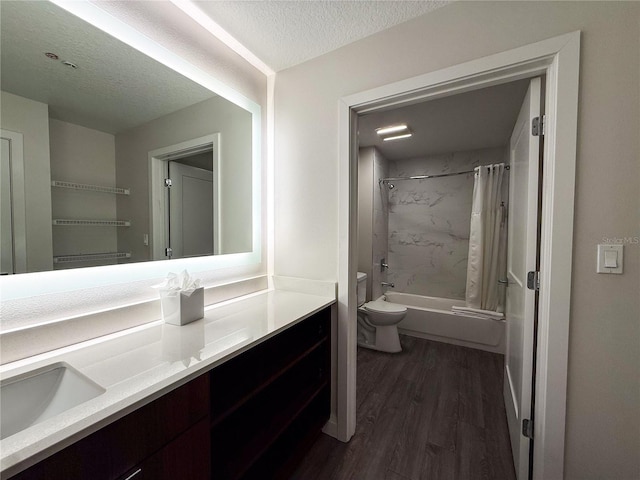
x=618, y=249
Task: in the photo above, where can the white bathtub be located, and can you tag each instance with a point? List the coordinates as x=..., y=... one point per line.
x=432, y=318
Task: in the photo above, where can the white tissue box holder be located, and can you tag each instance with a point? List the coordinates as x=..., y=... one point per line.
x=180, y=309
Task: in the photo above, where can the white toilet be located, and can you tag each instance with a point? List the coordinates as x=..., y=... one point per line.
x=378, y=321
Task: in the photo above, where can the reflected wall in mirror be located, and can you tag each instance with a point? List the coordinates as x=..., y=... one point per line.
x=86, y=121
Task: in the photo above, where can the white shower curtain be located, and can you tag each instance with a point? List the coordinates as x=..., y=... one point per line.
x=487, y=240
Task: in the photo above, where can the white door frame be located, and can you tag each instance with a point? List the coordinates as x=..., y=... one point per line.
x=18, y=200
x=158, y=203
x=558, y=58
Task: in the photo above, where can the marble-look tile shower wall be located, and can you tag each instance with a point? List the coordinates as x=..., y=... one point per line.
x=429, y=222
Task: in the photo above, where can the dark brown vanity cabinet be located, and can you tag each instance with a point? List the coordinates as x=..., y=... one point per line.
x=251, y=417
x=269, y=404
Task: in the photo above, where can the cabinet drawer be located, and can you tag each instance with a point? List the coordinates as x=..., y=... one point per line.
x=241, y=377
x=115, y=449
x=187, y=457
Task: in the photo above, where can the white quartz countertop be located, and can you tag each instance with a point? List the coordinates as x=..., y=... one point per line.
x=143, y=363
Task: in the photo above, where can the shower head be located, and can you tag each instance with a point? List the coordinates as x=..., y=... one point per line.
x=391, y=186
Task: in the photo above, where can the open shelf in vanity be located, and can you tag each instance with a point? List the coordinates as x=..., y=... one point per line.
x=277, y=396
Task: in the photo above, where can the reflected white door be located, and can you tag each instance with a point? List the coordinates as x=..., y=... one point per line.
x=521, y=259
x=191, y=211
x=6, y=221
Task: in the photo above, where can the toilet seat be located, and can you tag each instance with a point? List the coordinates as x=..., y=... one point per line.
x=384, y=307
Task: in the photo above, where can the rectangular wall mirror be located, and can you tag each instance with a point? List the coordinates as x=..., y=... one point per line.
x=97, y=109
x=109, y=156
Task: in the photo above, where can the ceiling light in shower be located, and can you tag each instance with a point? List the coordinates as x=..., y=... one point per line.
x=397, y=137
x=391, y=129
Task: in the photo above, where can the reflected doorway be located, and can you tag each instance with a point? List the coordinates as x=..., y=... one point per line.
x=185, y=204
x=6, y=222
x=190, y=221
x=13, y=249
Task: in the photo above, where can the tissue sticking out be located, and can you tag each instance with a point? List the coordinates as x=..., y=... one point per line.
x=182, y=282
x=182, y=298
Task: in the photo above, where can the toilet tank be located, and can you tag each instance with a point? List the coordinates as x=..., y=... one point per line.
x=362, y=288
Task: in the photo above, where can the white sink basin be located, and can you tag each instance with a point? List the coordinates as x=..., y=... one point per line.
x=40, y=394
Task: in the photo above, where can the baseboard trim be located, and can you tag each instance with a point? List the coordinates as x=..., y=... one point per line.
x=331, y=427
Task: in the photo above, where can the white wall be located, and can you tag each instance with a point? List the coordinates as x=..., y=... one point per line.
x=365, y=214
x=204, y=118
x=380, y=242
x=603, y=425
x=87, y=156
x=31, y=118
x=373, y=219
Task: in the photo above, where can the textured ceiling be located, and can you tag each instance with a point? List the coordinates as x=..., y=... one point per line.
x=469, y=121
x=114, y=87
x=286, y=33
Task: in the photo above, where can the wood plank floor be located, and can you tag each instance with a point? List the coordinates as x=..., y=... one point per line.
x=434, y=411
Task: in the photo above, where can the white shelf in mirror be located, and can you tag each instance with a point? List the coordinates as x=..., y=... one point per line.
x=91, y=222
x=90, y=188
x=88, y=257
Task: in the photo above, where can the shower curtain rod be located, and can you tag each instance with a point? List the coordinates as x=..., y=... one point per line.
x=422, y=177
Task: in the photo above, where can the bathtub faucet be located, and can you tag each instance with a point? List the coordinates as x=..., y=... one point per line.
x=387, y=284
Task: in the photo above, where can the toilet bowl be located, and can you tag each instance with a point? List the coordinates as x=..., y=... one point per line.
x=378, y=325
x=378, y=321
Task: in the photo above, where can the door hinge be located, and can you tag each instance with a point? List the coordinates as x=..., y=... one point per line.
x=537, y=126
x=167, y=182
x=533, y=281
x=168, y=252
x=527, y=428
